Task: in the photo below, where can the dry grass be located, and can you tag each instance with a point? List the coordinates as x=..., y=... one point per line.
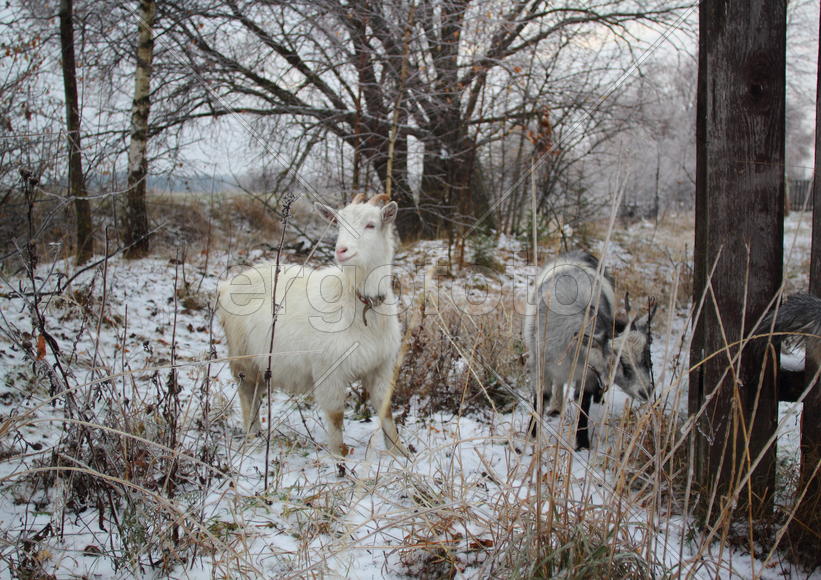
x=220, y=221
x=665, y=251
x=199, y=222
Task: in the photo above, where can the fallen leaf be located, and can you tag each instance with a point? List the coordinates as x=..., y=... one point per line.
x=41, y=347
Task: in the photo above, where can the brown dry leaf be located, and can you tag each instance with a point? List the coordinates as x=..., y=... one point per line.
x=41, y=347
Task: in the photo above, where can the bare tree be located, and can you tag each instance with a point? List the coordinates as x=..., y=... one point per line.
x=802, y=38
x=76, y=180
x=22, y=107
x=652, y=155
x=381, y=77
x=436, y=100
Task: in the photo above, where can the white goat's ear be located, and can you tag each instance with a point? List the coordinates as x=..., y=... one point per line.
x=389, y=212
x=325, y=211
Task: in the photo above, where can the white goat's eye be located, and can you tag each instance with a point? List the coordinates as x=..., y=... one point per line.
x=370, y=226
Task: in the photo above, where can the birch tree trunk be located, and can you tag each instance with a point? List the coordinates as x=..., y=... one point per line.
x=76, y=182
x=136, y=215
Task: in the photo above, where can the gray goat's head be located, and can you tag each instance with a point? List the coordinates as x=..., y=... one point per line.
x=630, y=354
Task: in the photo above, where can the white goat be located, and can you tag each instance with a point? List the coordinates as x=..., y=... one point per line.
x=568, y=330
x=335, y=325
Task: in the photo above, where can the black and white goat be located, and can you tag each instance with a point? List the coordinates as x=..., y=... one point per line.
x=799, y=316
x=572, y=337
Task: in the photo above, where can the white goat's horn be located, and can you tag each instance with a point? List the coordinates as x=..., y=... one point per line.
x=379, y=199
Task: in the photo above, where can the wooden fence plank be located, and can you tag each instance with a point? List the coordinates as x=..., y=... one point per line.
x=805, y=533
x=739, y=238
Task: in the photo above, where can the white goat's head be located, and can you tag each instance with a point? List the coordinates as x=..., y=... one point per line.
x=365, y=238
x=634, y=370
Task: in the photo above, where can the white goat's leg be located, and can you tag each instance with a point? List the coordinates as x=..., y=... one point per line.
x=330, y=398
x=379, y=388
x=250, y=397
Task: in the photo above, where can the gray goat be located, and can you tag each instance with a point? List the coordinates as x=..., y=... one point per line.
x=572, y=337
x=799, y=314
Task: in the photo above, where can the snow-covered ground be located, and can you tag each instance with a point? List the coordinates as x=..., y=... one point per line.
x=466, y=502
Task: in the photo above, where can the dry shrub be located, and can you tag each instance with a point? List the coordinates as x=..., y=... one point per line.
x=122, y=454
x=672, y=284
x=461, y=362
x=125, y=460
x=802, y=544
x=56, y=225
x=430, y=561
x=440, y=543
x=580, y=541
x=650, y=458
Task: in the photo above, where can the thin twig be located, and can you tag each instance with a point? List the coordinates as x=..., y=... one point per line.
x=286, y=212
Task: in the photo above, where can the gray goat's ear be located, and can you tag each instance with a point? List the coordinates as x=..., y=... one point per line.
x=325, y=211
x=389, y=212
x=652, y=306
x=599, y=339
x=643, y=323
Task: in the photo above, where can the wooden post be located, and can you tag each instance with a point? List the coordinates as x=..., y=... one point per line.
x=738, y=246
x=804, y=532
x=815, y=263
